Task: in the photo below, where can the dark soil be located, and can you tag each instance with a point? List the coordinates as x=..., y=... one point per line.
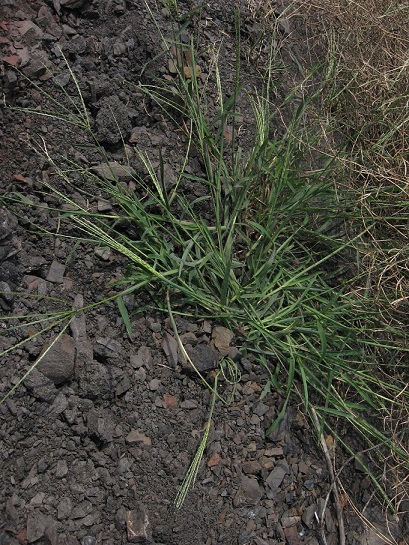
x=95, y=443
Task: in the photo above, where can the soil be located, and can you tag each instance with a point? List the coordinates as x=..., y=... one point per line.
x=96, y=441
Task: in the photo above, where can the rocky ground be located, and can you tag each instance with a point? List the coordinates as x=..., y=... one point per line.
x=95, y=443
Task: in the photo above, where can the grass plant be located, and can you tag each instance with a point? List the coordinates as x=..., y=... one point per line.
x=265, y=250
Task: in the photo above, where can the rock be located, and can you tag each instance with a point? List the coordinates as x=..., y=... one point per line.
x=59, y=405
x=252, y=467
x=154, y=384
x=51, y=532
x=8, y=223
x=36, y=525
x=57, y=364
x=276, y=477
x=83, y=345
x=40, y=386
x=6, y=296
x=169, y=401
x=250, y=490
x=292, y=535
x=56, y=273
x=64, y=508
x=100, y=426
x=114, y=172
x=143, y=357
x=290, y=518
x=222, y=338
x=88, y=540
x=103, y=253
x=170, y=347
x=203, y=357
x=214, y=460
x=136, y=436
x=138, y=526
x=72, y=4
x=81, y=510
x=308, y=517
x=61, y=469
x=30, y=33
x=107, y=347
x=37, y=65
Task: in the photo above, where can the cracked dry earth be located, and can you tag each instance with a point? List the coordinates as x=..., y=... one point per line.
x=95, y=442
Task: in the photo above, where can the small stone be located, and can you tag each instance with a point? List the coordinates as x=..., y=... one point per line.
x=6, y=296
x=40, y=386
x=8, y=223
x=251, y=490
x=81, y=510
x=154, y=384
x=252, y=467
x=289, y=518
x=276, y=477
x=170, y=347
x=104, y=206
x=138, y=526
x=38, y=499
x=59, y=405
x=202, y=356
x=292, y=535
x=103, y=253
x=308, y=517
x=261, y=408
x=30, y=32
x=57, y=364
x=303, y=468
x=64, y=508
x=123, y=386
x=100, y=426
x=88, y=540
x=136, y=436
x=114, y=171
x=214, y=460
x=169, y=401
x=61, y=469
x=189, y=404
x=36, y=524
x=222, y=338
x=56, y=272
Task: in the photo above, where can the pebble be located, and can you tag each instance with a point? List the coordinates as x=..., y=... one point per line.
x=170, y=347
x=56, y=272
x=40, y=386
x=277, y=475
x=36, y=524
x=136, y=436
x=8, y=223
x=251, y=490
x=64, y=508
x=222, y=338
x=138, y=526
x=114, y=171
x=57, y=364
x=61, y=469
x=203, y=357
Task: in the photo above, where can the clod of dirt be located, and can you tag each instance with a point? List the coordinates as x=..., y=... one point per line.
x=112, y=122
